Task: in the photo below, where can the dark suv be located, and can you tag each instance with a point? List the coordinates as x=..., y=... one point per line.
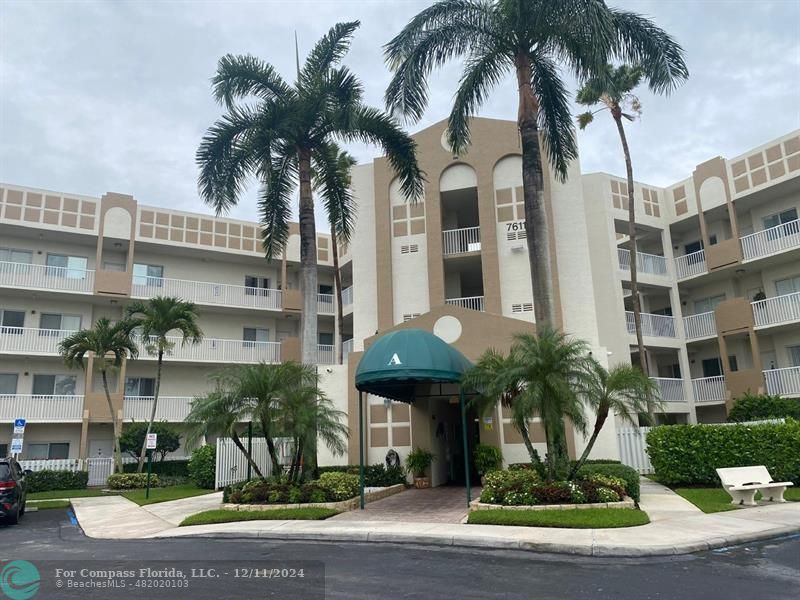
x=12, y=490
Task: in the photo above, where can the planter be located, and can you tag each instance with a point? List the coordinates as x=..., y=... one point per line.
x=422, y=483
x=342, y=506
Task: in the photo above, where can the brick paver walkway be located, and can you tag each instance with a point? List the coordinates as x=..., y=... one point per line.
x=444, y=504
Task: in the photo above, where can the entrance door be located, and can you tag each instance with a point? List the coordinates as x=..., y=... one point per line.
x=101, y=448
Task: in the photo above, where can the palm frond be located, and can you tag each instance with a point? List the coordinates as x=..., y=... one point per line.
x=329, y=50
x=274, y=201
x=240, y=76
x=332, y=178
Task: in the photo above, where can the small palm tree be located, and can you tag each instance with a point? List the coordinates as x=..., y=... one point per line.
x=110, y=344
x=154, y=320
x=284, y=138
x=534, y=40
x=622, y=390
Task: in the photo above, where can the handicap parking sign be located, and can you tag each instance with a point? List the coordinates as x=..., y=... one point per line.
x=19, y=426
x=16, y=446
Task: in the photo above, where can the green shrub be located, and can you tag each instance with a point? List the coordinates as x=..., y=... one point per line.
x=418, y=461
x=689, y=454
x=522, y=487
x=509, y=487
x=623, y=472
x=276, y=491
x=167, y=468
x=753, y=407
x=130, y=481
x=487, y=458
x=202, y=466
x=340, y=486
x=47, y=480
x=376, y=475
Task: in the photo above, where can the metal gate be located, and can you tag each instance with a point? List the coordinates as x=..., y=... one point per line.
x=232, y=464
x=99, y=470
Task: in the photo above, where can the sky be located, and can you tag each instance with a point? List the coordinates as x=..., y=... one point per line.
x=115, y=96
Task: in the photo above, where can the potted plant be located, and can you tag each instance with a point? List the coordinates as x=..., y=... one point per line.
x=418, y=462
x=487, y=459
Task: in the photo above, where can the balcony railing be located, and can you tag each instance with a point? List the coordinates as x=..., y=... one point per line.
x=205, y=292
x=170, y=408
x=326, y=354
x=700, y=325
x=347, y=348
x=347, y=296
x=325, y=304
x=41, y=408
x=458, y=241
x=27, y=340
x=653, y=325
x=218, y=350
x=710, y=389
x=645, y=263
x=777, y=310
x=43, y=277
x=783, y=382
x=671, y=390
x=771, y=241
x=689, y=265
x=471, y=302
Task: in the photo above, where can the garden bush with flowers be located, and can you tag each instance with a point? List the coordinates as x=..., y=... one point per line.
x=525, y=488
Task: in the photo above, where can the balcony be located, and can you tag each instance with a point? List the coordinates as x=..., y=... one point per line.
x=347, y=348
x=710, y=389
x=670, y=389
x=213, y=350
x=347, y=296
x=700, y=326
x=771, y=241
x=470, y=302
x=46, y=409
x=28, y=340
x=42, y=277
x=645, y=263
x=777, y=311
x=652, y=325
x=459, y=241
x=204, y=292
x=690, y=265
x=325, y=304
x=170, y=408
x=783, y=382
x=326, y=354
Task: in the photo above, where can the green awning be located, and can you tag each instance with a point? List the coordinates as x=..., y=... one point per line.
x=396, y=362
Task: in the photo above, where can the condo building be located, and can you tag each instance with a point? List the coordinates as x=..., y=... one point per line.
x=718, y=257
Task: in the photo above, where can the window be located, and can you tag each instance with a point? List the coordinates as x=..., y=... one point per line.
x=250, y=335
x=705, y=305
x=12, y=321
x=56, y=451
x=150, y=275
x=325, y=339
x=693, y=247
x=794, y=355
x=140, y=386
x=54, y=385
x=12, y=255
x=3, y=452
x=69, y=267
x=712, y=367
x=780, y=218
x=53, y=321
x=790, y=285
x=8, y=386
x=325, y=289
x=666, y=311
x=733, y=364
x=256, y=286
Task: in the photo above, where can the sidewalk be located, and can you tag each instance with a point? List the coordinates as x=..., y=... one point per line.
x=677, y=527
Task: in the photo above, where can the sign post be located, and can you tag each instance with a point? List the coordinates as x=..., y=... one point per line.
x=152, y=439
x=19, y=435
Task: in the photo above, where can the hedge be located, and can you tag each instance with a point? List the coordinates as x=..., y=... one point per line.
x=689, y=454
x=47, y=480
x=629, y=475
x=131, y=481
x=751, y=407
x=169, y=468
x=202, y=467
x=522, y=487
x=376, y=475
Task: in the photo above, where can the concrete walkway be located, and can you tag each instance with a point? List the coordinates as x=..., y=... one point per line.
x=662, y=504
x=444, y=504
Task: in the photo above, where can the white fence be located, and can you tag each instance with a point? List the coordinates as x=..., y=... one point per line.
x=41, y=408
x=689, y=265
x=170, y=408
x=347, y=296
x=471, y=302
x=457, y=241
x=206, y=292
x=325, y=305
x=326, y=354
x=784, y=382
x=709, y=389
x=632, y=442
x=771, y=241
x=670, y=389
x=29, y=340
x=652, y=325
x=42, y=277
x=218, y=350
x=700, y=325
x=99, y=468
x=347, y=348
x=232, y=465
x=645, y=263
x=777, y=310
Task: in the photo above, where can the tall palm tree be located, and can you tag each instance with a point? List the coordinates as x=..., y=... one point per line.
x=284, y=138
x=622, y=390
x=533, y=39
x=154, y=320
x=110, y=344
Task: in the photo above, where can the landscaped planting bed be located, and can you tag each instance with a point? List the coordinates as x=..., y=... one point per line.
x=306, y=513
x=591, y=518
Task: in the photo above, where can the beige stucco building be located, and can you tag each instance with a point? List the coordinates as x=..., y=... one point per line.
x=455, y=263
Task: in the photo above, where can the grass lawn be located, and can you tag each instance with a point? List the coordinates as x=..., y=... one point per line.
x=163, y=494
x=585, y=518
x=55, y=494
x=310, y=513
x=47, y=504
x=711, y=500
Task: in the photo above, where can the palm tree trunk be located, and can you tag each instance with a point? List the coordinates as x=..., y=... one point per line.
x=602, y=415
x=536, y=226
x=276, y=465
x=526, y=439
x=238, y=443
x=159, y=364
x=337, y=278
x=114, y=425
x=308, y=261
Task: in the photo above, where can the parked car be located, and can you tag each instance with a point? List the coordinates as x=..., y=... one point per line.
x=12, y=490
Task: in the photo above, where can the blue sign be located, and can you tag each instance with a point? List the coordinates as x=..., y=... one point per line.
x=19, y=423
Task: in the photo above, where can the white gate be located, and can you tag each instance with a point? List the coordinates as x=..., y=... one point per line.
x=632, y=442
x=99, y=470
x=232, y=464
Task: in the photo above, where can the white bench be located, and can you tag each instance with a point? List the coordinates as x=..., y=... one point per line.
x=742, y=483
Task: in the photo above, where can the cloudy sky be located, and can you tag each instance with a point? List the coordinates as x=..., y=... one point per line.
x=115, y=96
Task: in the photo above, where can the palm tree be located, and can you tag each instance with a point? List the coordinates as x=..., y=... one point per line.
x=623, y=390
x=154, y=320
x=284, y=138
x=110, y=344
x=533, y=39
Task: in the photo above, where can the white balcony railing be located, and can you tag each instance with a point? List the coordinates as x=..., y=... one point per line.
x=216, y=350
x=771, y=241
x=777, y=310
x=700, y=325
x=42, y=277
x=205, y=292
x=326, y=354
x=783, y=382
x=671, y=390
x=347, y=348
x=689, y=265
x=471, y=302
x=710, y=389
x=458, y=241
x=347, y=296
x=170, y=408
x=325, y=304
x=645, y=263
x=653, y=325
x=28, y=340
x=40, y=408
